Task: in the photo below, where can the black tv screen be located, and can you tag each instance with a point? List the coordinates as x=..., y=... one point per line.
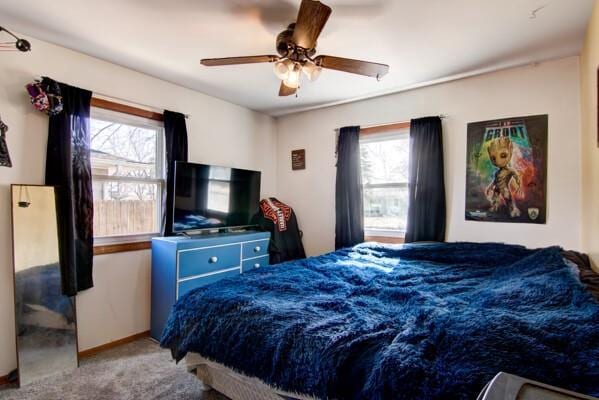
x=212, y=197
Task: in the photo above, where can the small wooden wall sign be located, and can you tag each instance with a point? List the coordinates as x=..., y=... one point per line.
x=298, y=159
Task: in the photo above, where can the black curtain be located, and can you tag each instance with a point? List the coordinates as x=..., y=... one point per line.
x=426, y=206
x=349, y=208
x=68, y=168
x=175, y=143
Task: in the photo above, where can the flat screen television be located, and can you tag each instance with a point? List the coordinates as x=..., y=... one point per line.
x=211, y=197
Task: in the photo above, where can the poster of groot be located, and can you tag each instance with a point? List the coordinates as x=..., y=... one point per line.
x=506, y=177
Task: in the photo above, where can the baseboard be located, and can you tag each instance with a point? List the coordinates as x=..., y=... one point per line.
x=110, y=345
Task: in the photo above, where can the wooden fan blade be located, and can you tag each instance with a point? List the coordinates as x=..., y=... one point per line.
x=312, y=17
x=286, y=90
x=359, y=67
x=215, y=62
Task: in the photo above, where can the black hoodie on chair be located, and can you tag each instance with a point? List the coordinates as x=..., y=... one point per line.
x=285, y=237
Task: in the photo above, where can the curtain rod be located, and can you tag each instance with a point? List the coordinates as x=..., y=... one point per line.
x=109, y=97
x=442, y=116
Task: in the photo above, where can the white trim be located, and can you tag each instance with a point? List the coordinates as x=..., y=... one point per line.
x=177, y=277
x=209, y=247
x=384, y=233
x=390, y=185
x=253, y=258
x=241, y=258
x=255, y=240
x=120, y=239
x=132, y=179
x=220, y=271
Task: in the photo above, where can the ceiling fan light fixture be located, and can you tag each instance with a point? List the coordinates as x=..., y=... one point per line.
x=293, y=78
x=311, y=70
x=281, y=69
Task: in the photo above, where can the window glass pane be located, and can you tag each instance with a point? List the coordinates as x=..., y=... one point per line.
x=125, y=208
x=385, y=170
x=386, y=208
x=119, y=149
x=385, y=161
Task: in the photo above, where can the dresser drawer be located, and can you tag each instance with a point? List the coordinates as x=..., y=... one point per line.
x=249, y=265
x=255, y=249
x=190, y=284
x=205, y=260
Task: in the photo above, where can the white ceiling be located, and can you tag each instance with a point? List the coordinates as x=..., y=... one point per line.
x=422, y=40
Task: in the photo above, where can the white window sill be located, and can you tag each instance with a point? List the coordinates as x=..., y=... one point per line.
x=384, y=233
x=124, y=239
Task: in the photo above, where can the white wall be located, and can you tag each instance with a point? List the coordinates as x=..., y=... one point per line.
x=222, y=133
x=589, y=63
x=219, y=132
x=549, y=88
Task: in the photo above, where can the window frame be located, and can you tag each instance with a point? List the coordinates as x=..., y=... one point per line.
x=114, y=112
x=386, y=133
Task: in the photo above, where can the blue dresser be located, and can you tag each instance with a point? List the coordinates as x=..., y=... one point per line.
x=180, y=264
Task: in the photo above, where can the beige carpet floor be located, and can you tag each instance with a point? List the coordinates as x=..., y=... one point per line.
x=137, y=370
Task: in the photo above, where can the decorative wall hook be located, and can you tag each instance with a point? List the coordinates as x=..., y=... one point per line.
x=19, y=44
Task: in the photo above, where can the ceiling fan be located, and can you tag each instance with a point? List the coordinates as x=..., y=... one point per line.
x=296, y=46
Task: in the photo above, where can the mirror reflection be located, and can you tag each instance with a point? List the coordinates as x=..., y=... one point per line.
x=45, y=318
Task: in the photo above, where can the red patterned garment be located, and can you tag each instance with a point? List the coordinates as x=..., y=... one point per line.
x=277, y=212
x=286, y=240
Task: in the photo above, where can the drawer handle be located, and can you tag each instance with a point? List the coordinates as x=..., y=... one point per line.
x=213, y=260
x=257, y=249
x=256, y=265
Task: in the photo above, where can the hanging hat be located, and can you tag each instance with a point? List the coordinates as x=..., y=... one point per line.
x=45, y=96
x=52, y=89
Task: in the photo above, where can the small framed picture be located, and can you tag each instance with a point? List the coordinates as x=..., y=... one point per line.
x=298, y=159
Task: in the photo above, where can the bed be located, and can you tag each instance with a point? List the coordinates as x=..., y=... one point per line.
x=427, y=321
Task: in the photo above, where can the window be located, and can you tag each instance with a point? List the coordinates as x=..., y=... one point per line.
x=385, y=160
x=127, y=169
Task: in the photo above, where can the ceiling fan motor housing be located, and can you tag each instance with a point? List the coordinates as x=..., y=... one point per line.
x=286, y=47
x=285, y=41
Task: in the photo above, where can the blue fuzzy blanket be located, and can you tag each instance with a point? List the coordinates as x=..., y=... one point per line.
x=378, y=322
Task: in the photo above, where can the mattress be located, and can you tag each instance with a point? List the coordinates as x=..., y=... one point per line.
x=235, y=385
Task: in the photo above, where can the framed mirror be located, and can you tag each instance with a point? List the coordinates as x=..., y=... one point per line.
x=45, y=319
